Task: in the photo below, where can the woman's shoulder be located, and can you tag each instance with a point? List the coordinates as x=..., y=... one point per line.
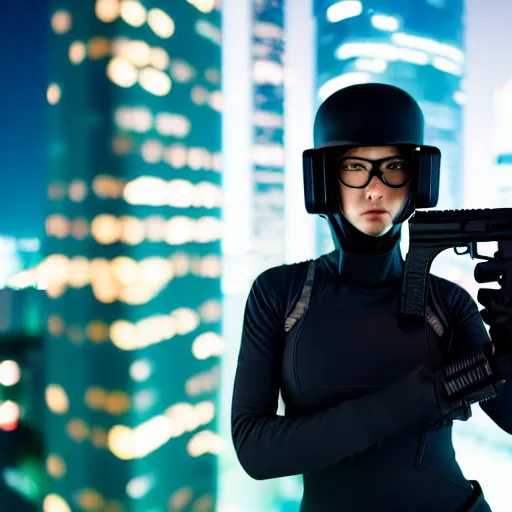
x=454, y=296
x=281, y=285
x=282, y=276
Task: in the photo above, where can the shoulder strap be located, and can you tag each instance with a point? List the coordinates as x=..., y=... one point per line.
x=302, y=304
x=437, y=315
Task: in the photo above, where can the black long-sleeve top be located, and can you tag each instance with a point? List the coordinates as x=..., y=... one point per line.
x=359, y=395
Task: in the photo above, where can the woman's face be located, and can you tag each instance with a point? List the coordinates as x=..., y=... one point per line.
x=372, y=209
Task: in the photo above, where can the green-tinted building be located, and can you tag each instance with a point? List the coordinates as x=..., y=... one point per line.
x=132, y=264
x=268, y=155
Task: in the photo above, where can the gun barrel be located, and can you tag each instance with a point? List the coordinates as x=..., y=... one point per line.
x=461, y=226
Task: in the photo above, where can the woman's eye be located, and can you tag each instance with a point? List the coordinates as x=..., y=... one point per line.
x=354, y=167
x=397, y=165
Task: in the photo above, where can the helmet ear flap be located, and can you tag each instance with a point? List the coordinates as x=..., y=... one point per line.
x=408, y=208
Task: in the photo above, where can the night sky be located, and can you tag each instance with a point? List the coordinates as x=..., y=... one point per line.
x=24, y=31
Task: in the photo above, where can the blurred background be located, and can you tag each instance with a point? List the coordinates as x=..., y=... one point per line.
x=151, y=169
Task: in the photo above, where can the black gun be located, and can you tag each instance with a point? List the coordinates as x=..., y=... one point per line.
x=435, y=231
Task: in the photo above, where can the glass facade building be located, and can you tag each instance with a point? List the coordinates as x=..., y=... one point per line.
x=132, y=255
x=502, y=175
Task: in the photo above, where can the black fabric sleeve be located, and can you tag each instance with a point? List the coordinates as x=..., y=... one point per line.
x=271, y=446
x=469, y=335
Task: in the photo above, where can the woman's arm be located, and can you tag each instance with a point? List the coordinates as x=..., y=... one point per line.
x=271, y=446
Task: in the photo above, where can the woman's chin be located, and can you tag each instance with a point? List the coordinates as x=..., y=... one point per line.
x=375, y=228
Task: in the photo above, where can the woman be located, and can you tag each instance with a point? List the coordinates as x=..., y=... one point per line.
x=366, y=422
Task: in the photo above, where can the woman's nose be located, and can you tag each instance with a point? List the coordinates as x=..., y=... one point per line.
x=375, y=189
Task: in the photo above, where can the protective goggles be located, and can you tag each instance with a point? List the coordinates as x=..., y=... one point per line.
x=394, y=172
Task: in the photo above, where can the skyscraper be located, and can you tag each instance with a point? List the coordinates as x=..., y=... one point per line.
x=417, y=46
x=132, y=262
x=254, y=195
x=268, y=149
x=502, y=175
x=253, y=76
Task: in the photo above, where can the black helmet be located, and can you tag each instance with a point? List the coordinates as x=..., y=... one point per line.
x=369, y=115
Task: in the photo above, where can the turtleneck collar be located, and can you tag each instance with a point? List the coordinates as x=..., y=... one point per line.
x=366, y=260
x=370, y=269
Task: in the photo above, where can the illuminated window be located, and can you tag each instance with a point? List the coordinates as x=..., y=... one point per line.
x=138, y=487
x=199, y=95
x=107, y=11
x=265, y=30
x=212, y=75
x=215, y=100
x=172, y=124
x=132, y=230
x=181, y=71
x=53, y=94
x=159, y=58
x=80, y=228
x=217, y=162
x=136, y=52
x=181, y=498
x=61, y=21
x=204, y=6
x=133, y=13
x=122, y=72
x=155, y=81
x=203, y=442
x=265, y=119
x=75, y=334
x=78, y=272
x=97, y=331
x=58, y=226
x=117, y=402
x=56, y=468
x=106, y=229
x=99, y=47
x=386, y=23
x=77, y=52
x=56, y=399
x=56, y=190
x=343, y=10
x=155, y=228
x=55, y=325
x=122, y=145
x=10, y=373
x=89, y=499
x=176, y=156
x=209, y=31
x=99, y=438
x=152, y=151
x=208, y=344
x=211, y=311
x=161, y=23
x=77, y=191
x=77, y=430
x=108, y=187
x=55, y=502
